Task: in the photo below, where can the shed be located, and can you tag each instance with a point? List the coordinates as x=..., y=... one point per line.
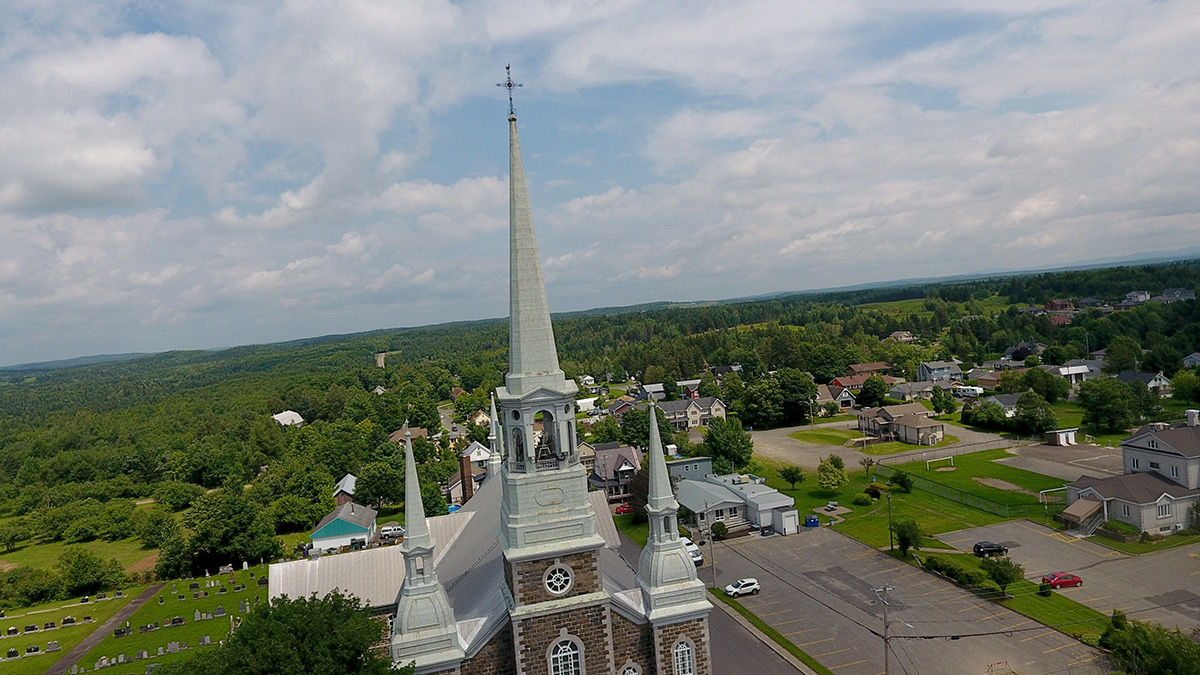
x=344, y=525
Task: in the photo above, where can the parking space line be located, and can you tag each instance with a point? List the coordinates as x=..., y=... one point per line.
x=760, y=606
x=1034, y=637
x=861, y=554
x=801, y=632
x=930, y=580
x=1058, y=648
x=1090, y=658
x=816, y=642
x=776, y=624
x=1018, y=624
x=852, y=663
x=817, y=656
x=782, y=611
x=910, y=574
x=1195, y=573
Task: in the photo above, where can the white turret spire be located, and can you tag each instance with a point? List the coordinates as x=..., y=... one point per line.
x=666, y=573
x=424, y=630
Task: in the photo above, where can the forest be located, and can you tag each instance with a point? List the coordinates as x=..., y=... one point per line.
x=179, y=449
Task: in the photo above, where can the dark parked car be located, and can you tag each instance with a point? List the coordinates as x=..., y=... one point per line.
x=1060, y=579
x=987, y=549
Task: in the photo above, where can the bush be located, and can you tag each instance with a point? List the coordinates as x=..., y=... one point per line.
x=1090, y=639
x=862, y=500
x=1120, y=527
x=1044, y=590
x=903, y=480
x=873, y=491
x=719, y=530
x=972, y=576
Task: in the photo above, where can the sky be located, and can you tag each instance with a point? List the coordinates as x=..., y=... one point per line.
x=191, y=174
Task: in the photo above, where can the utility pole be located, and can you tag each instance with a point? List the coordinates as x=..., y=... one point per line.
x=881, y=593
x=891, y=539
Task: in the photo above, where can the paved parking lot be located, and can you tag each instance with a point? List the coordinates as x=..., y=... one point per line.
x=1160, y=586
x=817, y=591
x=1068, y=462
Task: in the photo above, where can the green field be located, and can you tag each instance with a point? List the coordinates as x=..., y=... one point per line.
x=67, y=637
x=45, y=555
x=217, y=628
x=983, y=465
x=843, y=438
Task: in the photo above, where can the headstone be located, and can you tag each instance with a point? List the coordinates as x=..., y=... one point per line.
x=198, y=616
x=102, y=663
x=74, y=669
x=194, y=586
x=120, y=658
x=245, y=565
x=226, y=569
x=87, y=619
x=68, y=621
x=150, y=667
x=143, y=654
x=205, y=640
x=182, y=598
x=172, y=647
x=12, y=630
x=119, y=594
x=120, y=632
x=205, y=594
x=49, y=625
x=223, y=591
x=241, y=607
x=195, y=596
x=32, y=649
x=173, y=587
x=160, y=651
x=52, y=646
x=12, y=653
x=252, y=575
x=1, y=614
x=262, y=581
x=83, y=600
x=160, y=599
x=101, y=596
x=220, y=611
x=31, y=628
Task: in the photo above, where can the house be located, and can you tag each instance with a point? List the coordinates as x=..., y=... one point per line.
x=472, y=462
x=397, y=436
x=989, y=379
x=879, y=421
x=739, y=502
x=1059, y=319
x=918, y=430
x=913, y=391
x=347, y=525
x=846, y=398
x=343, y=492
x=1160, y=484
x=1024, y=350
x=613, y=468
x=1136, y=297
x=618, y=407
x=1076, y=370
x=456, y=392
x=712, y=503
x=1059, y=305
x=939, y=370
x=379, y=390
x=1191, y=360
x=693, y=412
x=586, y=380
x=652, y=392
x=587, y=455
x=901, y=336
x=855, y=382
x=688, y=388
x=1155, y=382
x=288, y=418
x=1173, y=294
x=1006, y=401
x=480, y=419
x=455, y=493
x=1090, y=302
x=695, y=468
x=722, y=371
x=868, y=368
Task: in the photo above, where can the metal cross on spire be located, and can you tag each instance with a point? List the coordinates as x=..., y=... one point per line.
x=509, y=85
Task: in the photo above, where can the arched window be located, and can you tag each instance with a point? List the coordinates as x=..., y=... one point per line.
x=631, y=670
x=685, y=661
x=566, y=658
x=547, y=443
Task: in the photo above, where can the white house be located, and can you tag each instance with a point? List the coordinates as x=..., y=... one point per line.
x=288, y=418
x=738, y=502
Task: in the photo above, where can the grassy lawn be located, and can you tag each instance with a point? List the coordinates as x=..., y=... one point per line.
x=67, y=637
x=190, y=632
x=638, y=532
x=1137, y=547
x=983, y=465
x=893, y=447
x=837, y=437
x=45, y=555
x=771, y=633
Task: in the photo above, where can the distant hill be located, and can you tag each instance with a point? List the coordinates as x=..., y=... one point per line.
x=73, y=363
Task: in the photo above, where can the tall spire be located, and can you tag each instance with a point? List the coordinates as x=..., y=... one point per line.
x=424, y=630
x=666, y=573
x=532, y=356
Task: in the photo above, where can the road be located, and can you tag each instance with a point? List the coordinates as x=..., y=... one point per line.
x=818, y=592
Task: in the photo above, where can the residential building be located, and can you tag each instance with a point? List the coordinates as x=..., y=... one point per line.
x=1006, y=401
x=688, y=388
x=1076, y=371
x=1160, y=484
x=1023, y=350
x=1090, y=302
x=692, y=413
x=1059, y=305
x=739, y=502
x=1173, y=294
x=868, y=368
x=586, y=380
x=613, y=468
x=347, y=525
x=288, y=418
x=846, y=398
x=618, y=407
x=1137, y=297
x=1191, y=360
x=901, y=336
x=343, y=491
x=722, y=371
x=855, y=382
x=914, y=391
x=908, y=422
x=1155, y=382
x=939, y=370
x=695, y=468
x=652, y=392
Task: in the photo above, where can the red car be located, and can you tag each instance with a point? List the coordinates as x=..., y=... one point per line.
x=1060, y=579
x=624, y=508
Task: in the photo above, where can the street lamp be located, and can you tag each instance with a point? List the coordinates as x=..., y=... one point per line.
x=812, y=417
x=712, y=546
x=891, y=541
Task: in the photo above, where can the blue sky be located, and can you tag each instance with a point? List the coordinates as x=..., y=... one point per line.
x=192, y=175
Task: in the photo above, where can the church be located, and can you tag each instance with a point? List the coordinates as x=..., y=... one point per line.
x=527, y=577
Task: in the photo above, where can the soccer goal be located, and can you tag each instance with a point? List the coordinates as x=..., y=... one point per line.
x=929, y=462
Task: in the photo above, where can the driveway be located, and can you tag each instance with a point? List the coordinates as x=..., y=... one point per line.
x=1160, y=586
x=776, y=445
x=817, y=591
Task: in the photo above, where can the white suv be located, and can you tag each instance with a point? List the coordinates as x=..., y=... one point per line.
x=693, y=550
x=747, y=586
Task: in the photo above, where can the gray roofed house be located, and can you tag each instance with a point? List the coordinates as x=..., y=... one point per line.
x=1156, y=382
x=1191, y=360
x=344, y=525
x=1006, y=401
x=344, y=490
x=692, y=412
x=912, y=391
x=613, y=468
x=939, y=370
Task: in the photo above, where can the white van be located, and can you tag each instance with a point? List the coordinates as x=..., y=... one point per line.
x=967, y=391
x=391, y=532
x=693, y=550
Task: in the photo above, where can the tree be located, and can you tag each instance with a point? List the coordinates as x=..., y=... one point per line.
x=1107, y=404
x=726, y=441
x=635, y=426
x=908, y=535
x=12, y=533
x=867, y=463
x=1050, y=387
x=228, y=528
x=1141, y=647
x=670, y=389
x=902, y=479
x=84, y=573
x=1186, y=386
x=1003, y=571
x=762, y=403
x=874, y=390
x=379, y=483
x=1010, y=382
x=154, y=526
x=799, y=392
x=792, y=474
x=333, y=634
x=1034, y=415
x=832, y=408
x=432, y=498
x=718, y=530
x=1123, y=353
x=606, y=430
x=943, y=401
x=1163, y=358
x=1146, y=403
x=831, y=476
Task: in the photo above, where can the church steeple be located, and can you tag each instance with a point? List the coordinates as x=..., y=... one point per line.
x=495, y=443
x=545, y=509
x=666, y=573
x=424, y=629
